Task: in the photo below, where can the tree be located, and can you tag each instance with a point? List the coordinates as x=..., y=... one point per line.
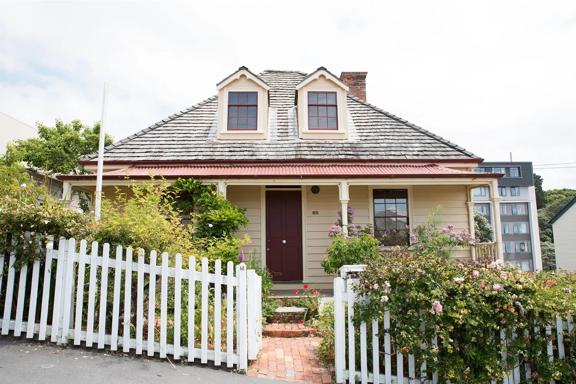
x=57, y=149
x=540, y=194
x=482, y=229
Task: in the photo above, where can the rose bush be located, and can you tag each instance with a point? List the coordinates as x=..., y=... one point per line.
x=465, y=305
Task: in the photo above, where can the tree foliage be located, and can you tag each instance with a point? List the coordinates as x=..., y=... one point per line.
x=554, y=201
x=482, y=228
x=57, y=149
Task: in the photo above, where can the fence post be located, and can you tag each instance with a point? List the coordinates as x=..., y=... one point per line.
x=68, y=281
x=254, y=314
x=339, y=329
x=242, y=318
x=58, y=289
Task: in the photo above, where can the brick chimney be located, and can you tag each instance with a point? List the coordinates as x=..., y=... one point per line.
x=356, y=81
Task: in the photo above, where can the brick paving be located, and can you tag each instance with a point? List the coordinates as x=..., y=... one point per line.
x=291, y=359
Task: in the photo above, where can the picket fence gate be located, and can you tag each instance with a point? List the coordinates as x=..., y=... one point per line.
x=345, y=333
x=57, y=287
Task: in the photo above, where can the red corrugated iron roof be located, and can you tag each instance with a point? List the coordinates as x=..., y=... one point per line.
x=289, y=170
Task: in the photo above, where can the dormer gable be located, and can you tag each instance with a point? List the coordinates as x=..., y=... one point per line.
x=243, y=106
x=322, y=104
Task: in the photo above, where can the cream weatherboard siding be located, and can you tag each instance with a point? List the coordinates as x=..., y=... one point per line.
x=565, y=240
x=320, y=211
x=249, y=198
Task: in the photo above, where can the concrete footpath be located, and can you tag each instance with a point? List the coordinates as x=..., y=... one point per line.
x=34, y=362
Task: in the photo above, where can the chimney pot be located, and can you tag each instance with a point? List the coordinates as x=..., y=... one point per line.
x=356, y=81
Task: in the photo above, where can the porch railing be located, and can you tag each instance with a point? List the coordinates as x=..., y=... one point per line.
x=486, y=252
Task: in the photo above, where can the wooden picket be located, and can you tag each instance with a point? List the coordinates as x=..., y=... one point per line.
x=88, y=298
x=408, y=369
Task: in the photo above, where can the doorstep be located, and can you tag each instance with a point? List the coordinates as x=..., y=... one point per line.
x=288, y=330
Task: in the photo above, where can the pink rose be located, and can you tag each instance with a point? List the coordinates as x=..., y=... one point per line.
x=475, y=273
x=436, y=308
x=497, y=287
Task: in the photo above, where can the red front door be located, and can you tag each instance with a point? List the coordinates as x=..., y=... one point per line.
x=284, y=235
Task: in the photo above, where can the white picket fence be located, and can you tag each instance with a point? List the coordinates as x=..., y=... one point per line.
x=67, y=285
x=404, y=369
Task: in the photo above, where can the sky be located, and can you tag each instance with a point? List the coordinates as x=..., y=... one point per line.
x=495, y=77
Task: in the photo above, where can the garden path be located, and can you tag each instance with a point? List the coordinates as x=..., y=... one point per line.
x=290, y=359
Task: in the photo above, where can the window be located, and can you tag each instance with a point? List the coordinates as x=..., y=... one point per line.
x=508, y=246
x=518, y=209
x=502, y=191
x=242, y=111
x=513, y=172
x=522, y=247
x=480, y=170
x=498, y=170
x=481, y=192
x=520, y=228
x=505, y=228
x=391, y=216
x=322, y=111
x=514, y=191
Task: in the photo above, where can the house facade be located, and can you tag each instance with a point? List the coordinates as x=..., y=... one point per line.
x=294, y=150
x=518, y=212
x=564, y=229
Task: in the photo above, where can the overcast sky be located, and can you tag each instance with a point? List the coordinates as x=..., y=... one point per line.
x=492, y=76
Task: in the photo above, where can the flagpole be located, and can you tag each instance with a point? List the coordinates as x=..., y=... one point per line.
x=100, y=170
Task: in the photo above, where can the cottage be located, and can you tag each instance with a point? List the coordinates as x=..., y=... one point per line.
x=294, y=150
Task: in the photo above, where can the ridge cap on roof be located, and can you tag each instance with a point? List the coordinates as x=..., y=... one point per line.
x=242, y=68
x=150, y=127
x=562, y=211
x=283, y=71
x=415, y=127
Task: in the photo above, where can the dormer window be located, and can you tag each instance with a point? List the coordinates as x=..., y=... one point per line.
x=243, y=105
x=322, y=107
x=322, y=111
x=242, y=111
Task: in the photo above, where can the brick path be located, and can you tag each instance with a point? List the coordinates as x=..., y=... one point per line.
x=292, y=359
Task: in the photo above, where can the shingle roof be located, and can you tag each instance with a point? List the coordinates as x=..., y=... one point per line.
x=191, y=135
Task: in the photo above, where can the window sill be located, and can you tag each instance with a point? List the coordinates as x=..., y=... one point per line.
x=242, y=134
x=323, y=134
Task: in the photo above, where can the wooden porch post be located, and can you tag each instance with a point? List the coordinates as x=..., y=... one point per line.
x=344, y=199
x=221, y=187
x=471, y=222
x=495, y=199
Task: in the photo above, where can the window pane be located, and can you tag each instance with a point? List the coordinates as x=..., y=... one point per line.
x=322, y=123
x=252, y=98
x=322, y=111
x=242, y=99
x=378, y=208
x=232, y=112
x=402, y=209
x=321, y=98
x=313, y=111
x=313, y=122
x=312, y=98
x=233, y=98
x=252, y=111
x=332, y=123
x=331, y=98
x=331, y=111
x=242, y=112
x=390, y=209
x=252, y=123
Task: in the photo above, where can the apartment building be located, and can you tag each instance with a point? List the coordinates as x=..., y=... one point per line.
x=518, y=212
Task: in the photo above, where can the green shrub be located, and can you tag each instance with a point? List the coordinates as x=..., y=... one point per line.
x=482, y=228
x=144, y=219
x=325, y=328
x=268, y=304
x=465, y=305
x=350, y=250
x=26, y=206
